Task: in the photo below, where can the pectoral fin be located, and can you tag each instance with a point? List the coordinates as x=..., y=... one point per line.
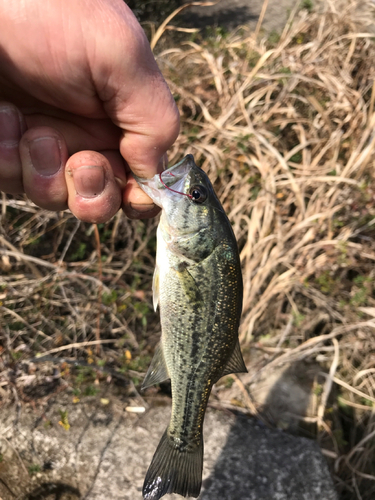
x=157, y=371
x=155, y=288
x=189, y=285
x=235, y=364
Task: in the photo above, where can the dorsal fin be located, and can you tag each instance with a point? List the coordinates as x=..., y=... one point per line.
x=157, y=371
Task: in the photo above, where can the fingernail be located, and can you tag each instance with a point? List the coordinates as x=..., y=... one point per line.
x=89, y=181
x=45, y=155
x=142, y=209
x=10, y=126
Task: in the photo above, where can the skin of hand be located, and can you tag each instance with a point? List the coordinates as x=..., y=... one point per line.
x=82, y=105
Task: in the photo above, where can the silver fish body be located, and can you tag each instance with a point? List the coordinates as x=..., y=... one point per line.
x=198, y=287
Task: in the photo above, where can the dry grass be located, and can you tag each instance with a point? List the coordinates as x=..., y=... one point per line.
x=286, y=129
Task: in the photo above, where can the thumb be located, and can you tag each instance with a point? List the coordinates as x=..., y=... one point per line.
x=134, y=93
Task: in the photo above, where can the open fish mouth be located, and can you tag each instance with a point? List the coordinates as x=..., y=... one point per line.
x=171, y=180
x=176, y=173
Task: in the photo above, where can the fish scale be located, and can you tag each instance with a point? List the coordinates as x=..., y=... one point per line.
x=198, y=287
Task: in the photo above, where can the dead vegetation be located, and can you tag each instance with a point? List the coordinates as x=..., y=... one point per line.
x=285, y=127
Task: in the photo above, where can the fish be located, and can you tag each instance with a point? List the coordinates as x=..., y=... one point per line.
x=197, y=285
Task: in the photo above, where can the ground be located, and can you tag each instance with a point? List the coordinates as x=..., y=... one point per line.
x=284, y=126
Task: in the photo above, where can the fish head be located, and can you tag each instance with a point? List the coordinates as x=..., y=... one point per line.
x=187, y=198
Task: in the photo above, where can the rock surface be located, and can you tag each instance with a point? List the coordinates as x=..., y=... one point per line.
x=106, y=452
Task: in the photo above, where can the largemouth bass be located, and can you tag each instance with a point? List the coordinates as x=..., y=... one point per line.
x=198, y=287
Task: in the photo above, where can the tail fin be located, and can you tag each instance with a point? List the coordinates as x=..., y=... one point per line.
x=173, y=471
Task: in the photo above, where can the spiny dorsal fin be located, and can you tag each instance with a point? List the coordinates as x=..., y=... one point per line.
x=236, y=363
x=157, y=371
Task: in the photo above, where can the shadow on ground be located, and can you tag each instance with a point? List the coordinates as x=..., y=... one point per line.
x=228, y=17
x=257, y=463
x=54, y=491
x=227, y=14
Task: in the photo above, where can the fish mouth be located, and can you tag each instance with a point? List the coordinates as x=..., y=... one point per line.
x=171, y=180
x=174, y=174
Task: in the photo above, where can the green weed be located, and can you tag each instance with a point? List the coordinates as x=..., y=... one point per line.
x=34, y=469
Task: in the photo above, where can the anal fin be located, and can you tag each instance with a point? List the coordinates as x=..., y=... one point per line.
x=158, y=371
x=235, y=364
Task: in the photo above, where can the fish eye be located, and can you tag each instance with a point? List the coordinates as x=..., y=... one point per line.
x=198, y=194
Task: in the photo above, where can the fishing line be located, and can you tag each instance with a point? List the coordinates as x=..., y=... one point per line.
x=174, y=191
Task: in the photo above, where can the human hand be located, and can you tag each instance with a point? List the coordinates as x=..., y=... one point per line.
x=82, y=103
